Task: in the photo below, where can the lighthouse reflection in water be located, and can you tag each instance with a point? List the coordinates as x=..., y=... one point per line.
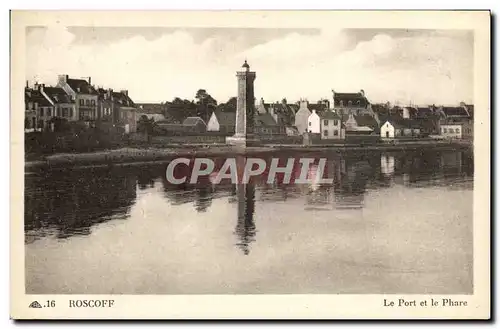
x=372, y=228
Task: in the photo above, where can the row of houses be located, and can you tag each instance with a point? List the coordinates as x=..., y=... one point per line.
x=353, y=114
x=77, y=100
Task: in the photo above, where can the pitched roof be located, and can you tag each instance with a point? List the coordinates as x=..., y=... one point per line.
x=454, y=111
x=329, y=115
x=192, y=121
x=265, y=119
x=225, y=118
x=57, y=95
x=294, y=107
x=366, y=120
x=470, y=109
x=36, y=96
x=399, y=122
x=357, y=99
x=81, y=86
x=122, y=99
x=424, y=112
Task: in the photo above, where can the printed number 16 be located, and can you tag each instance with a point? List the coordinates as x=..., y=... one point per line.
x=50, y=303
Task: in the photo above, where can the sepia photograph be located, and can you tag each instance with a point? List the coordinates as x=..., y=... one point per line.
x=247, y=157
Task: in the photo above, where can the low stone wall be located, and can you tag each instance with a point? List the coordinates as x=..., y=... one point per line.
x=142, y=139
x=280, y=139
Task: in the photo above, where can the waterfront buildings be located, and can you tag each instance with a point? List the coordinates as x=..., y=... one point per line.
x=83, y=94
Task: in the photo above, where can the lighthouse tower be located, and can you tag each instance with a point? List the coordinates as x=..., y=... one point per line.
x=245, y=107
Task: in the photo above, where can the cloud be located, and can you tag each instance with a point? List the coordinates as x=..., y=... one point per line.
x=425, y=68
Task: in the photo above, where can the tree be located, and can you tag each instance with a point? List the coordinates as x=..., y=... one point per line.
x=206, y=104
x=229, y=106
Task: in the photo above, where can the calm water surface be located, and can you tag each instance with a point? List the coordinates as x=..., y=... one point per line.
x=389, y=223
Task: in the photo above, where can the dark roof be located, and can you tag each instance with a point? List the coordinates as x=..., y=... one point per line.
x=122, y=99
x=357, y=99
x=399, y=122
x=81, y=86
x=412, y=110
x=193, y=121
x=225, y=118
x=454, y=111
x=363, y=120
x=57, y=95
x=265, y=119
x=366, y=120
x=424, y=112
x=380, y=108
x=294, y=107
x=36, y=96
x=329, y=115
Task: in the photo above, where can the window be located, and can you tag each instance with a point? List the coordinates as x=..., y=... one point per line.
x=81, y=102
x=325, y=122
x=335, y=133
x=325, y=133
x=87, y=102
x=457, y=131
x=341, y=103
x=310, y=123
x=70, y=112
x=92, y=102
x=59, y=112
x=445, y=130
x=335, y=122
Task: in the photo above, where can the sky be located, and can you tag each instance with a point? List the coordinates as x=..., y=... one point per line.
x=157, y=64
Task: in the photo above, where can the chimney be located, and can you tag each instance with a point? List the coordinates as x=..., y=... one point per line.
x=63, y=78
x=27, y=84
x=90, y=81
x=125, y=92
x=362, y=92
x=108, y=93
x=262, y=100
x=283, y=101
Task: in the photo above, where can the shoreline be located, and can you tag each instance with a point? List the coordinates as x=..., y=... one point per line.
x=141, y=156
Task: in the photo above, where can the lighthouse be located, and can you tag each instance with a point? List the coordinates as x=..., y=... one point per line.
x=245, y=108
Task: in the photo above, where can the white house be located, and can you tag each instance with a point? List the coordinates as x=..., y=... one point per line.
x=451, y=130
x=387, y=130
x=213, y=123
x=302, y=117
x=331, y=125
x=314, y=123
x=222, y=121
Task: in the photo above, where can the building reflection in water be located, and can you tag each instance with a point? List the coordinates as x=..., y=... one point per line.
x=387, y=164
x=71, y=203
x=351, y=184
x=245, y=225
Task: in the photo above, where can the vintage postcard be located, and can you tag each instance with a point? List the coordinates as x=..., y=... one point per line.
x=250, y=165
